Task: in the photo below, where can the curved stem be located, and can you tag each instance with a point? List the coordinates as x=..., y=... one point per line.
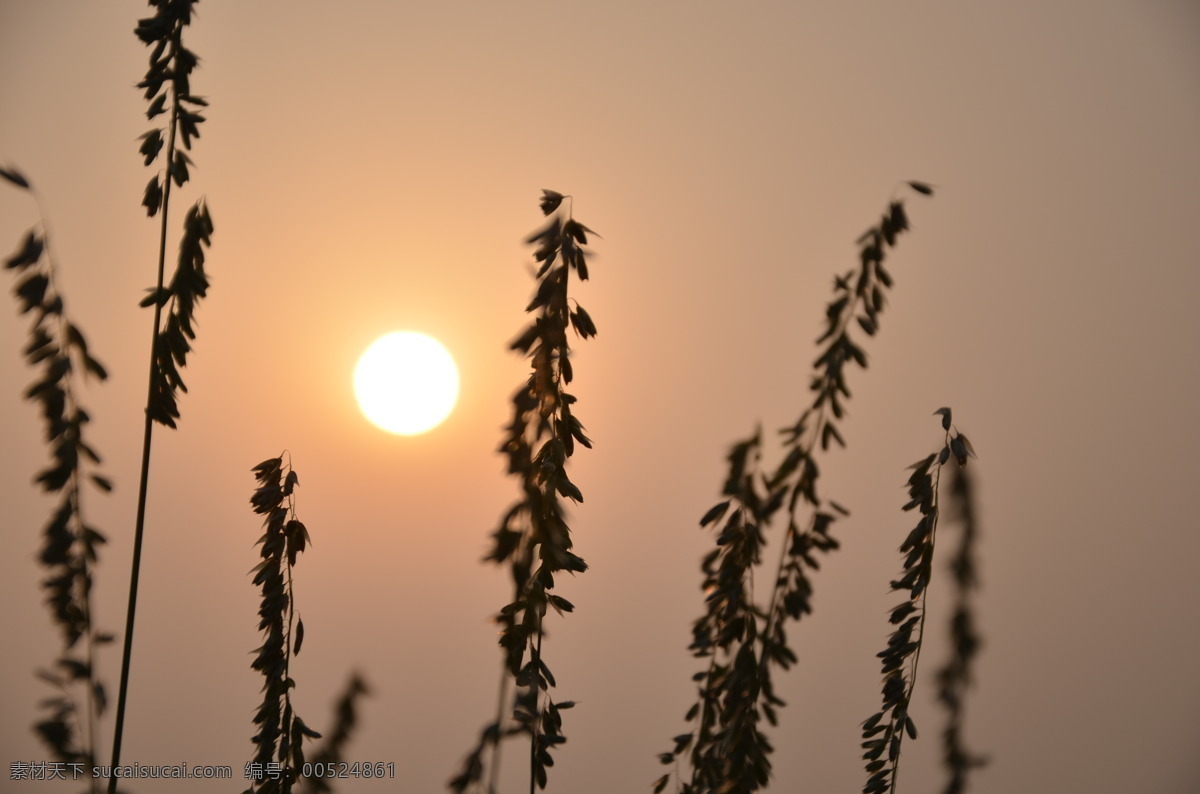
x=843, y=323
x=788, y=535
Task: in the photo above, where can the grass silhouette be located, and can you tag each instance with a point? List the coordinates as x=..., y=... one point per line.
x=533, y=536
x=742, y=641
x=279, y=759
x=167, y=87
x=884, y=732
x=58, y=349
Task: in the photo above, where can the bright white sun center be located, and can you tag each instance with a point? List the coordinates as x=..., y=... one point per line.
x=406, y=383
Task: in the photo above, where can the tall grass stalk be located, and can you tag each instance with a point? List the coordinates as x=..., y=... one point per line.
x=533, y=536
x=883, y=733
x=956, y=676
x=60, y=352
x=167, y=88
x=279, y=760
x=725, y=749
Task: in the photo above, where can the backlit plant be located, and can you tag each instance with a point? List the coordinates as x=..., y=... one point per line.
x=533, y=537
x=167, y=87
x=725, y=749
x=883, y=733
x=279, y=759
x=956, y=675
x=59, y=351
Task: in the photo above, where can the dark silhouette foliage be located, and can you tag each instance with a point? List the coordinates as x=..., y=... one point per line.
x=726, y=749
x=533, y=537
x=883, y=733
x=59, y=352
x=956, y=677
x=167, y=87
x=279, y=758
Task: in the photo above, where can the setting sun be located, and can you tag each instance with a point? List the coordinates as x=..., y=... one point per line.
x=406, y=383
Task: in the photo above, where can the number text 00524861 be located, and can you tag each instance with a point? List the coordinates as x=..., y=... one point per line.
x=349, y=769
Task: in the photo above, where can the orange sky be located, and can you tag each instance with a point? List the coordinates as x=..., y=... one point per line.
x=374, y=166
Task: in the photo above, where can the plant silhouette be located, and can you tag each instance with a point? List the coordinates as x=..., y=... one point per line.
x=167, y=86
x=884, y=731
x=726, y=750
x=956, y=676
x=57, y=347
x=533, y=536
x=280, y=765
x=281, y=733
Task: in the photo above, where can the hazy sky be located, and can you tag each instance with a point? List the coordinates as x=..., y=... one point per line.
x=374, y=166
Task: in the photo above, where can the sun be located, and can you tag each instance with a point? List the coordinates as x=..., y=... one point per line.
x=406, y=383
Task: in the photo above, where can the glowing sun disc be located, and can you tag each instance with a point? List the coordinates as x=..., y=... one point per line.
x=406, y=383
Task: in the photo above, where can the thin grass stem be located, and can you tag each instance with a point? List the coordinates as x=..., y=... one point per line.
x=139, y=530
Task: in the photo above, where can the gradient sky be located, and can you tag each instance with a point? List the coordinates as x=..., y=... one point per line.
x=374, y=166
